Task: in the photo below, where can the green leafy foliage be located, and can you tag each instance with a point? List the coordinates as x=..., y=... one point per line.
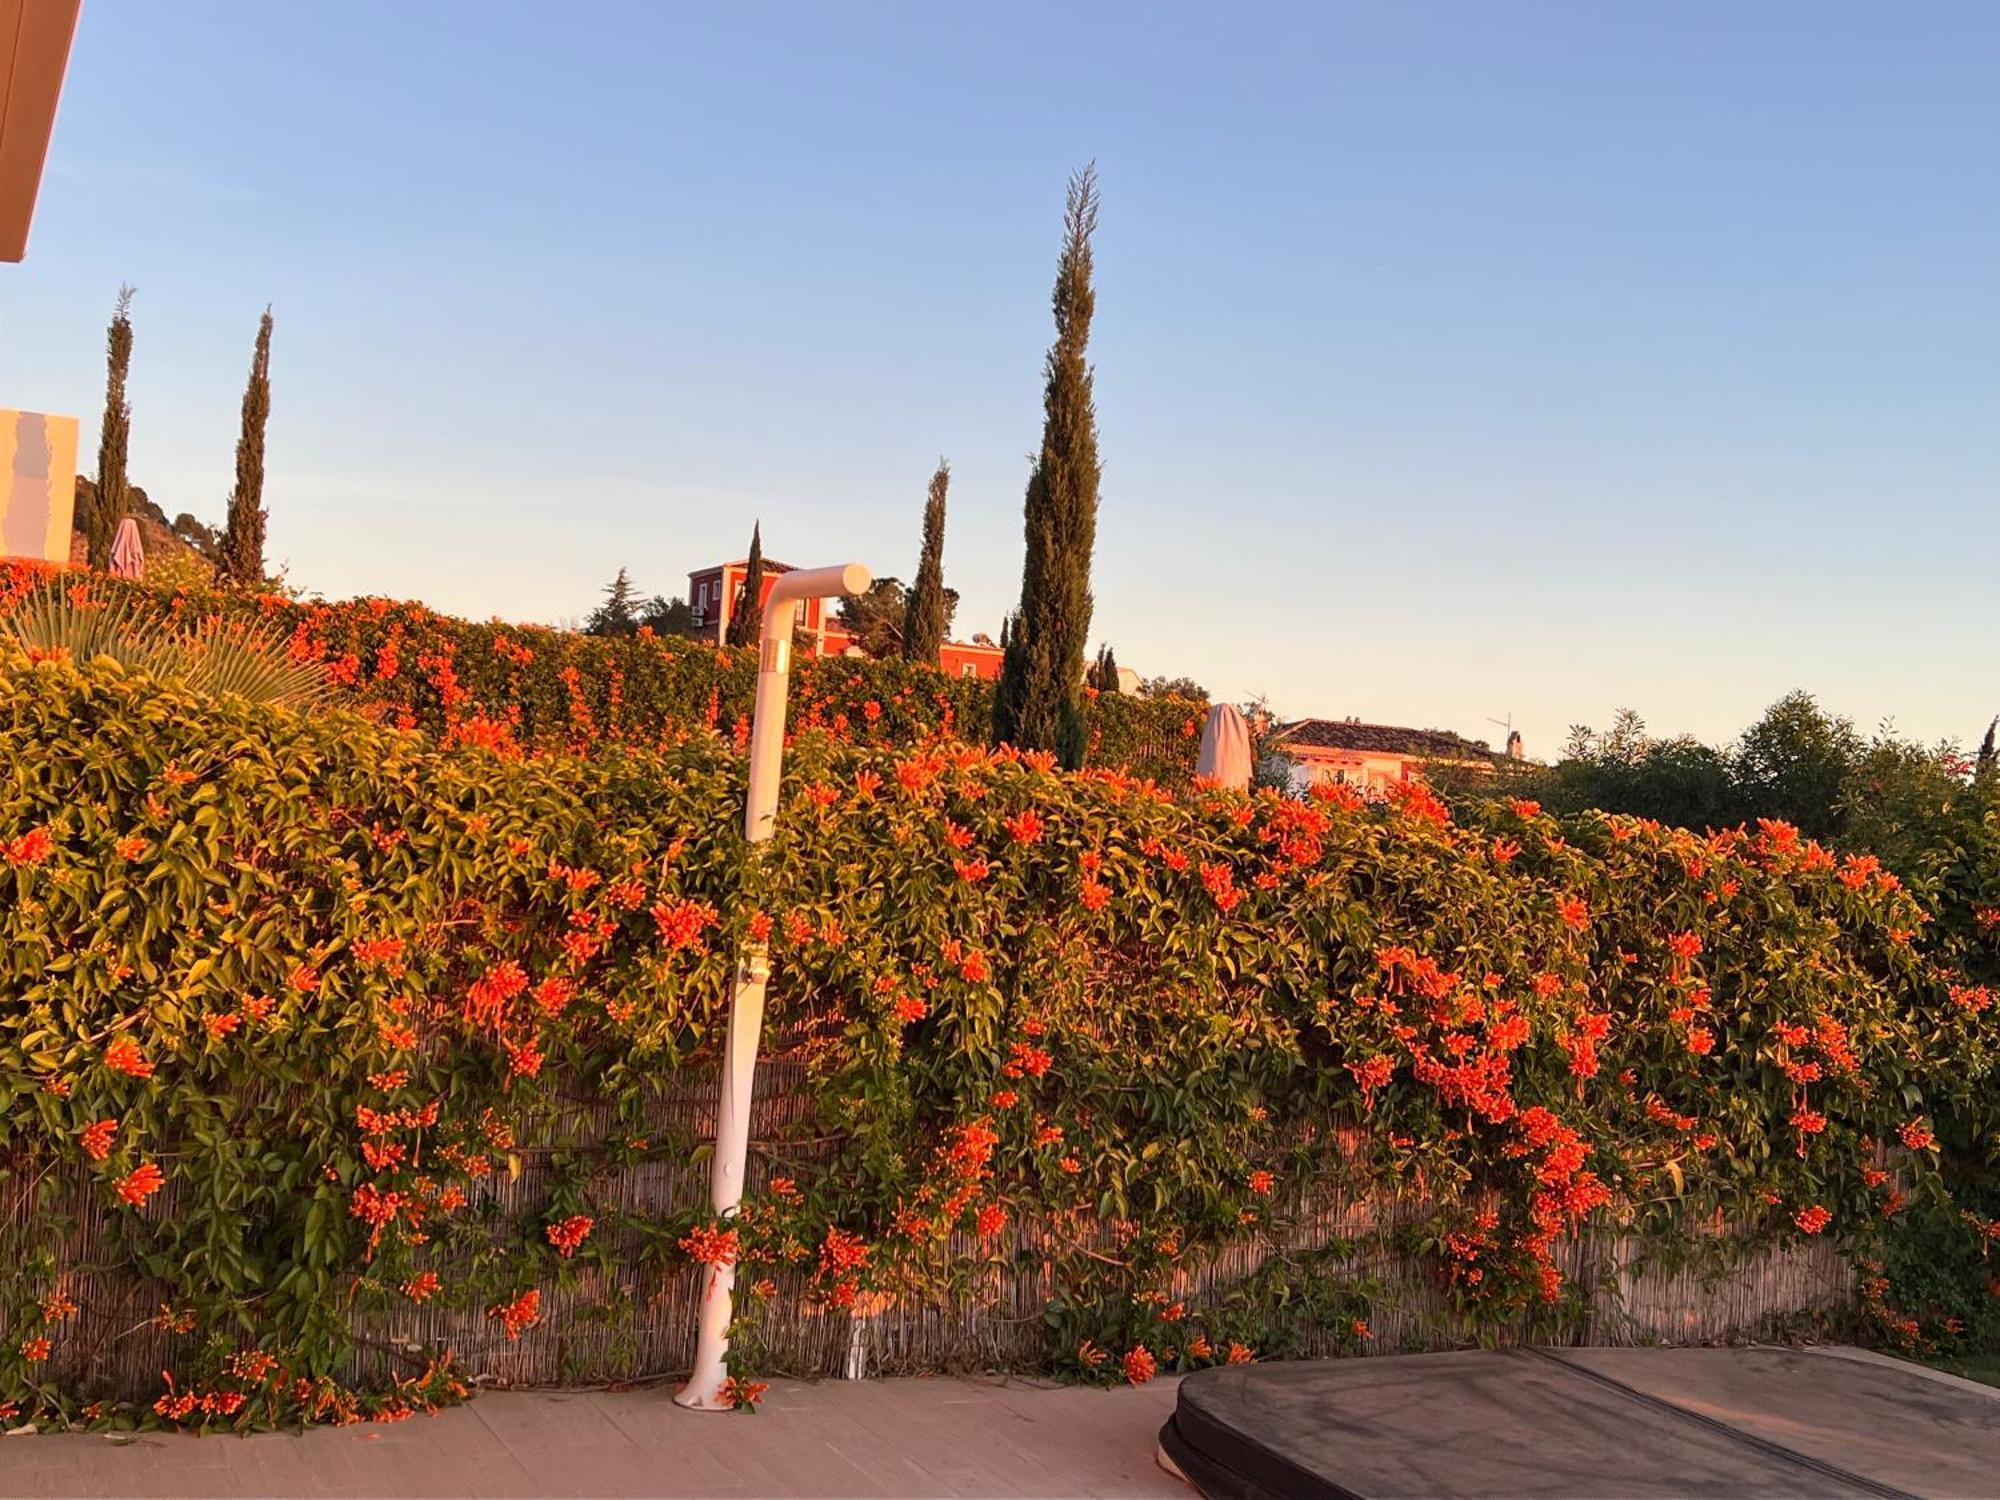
x=292, y=999
x=1798, y=763
x=878, y=619
x=209, y=655
x=522, y=686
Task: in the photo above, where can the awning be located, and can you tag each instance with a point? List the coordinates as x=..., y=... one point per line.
x=34, y=53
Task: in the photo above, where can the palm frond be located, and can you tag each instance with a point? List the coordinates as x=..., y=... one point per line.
x=252, y=662
x=48, y=622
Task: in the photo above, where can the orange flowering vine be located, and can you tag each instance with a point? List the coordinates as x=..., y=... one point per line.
x=95, y=1138
x=122, y=1055
x=141, y=1183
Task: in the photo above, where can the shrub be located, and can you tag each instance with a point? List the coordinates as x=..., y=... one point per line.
x=180, y=569
x=291, y=998
x=514, y=686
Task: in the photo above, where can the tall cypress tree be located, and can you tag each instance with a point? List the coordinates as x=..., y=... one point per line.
x=1985, y=764
x=1039, y=704
x=113, y=438
x=924, y=619
x=1104, y=671
x=748, y=616
x=242, y=560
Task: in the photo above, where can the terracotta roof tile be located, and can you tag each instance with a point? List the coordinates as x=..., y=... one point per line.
x=771, y=565
x=1387, y=739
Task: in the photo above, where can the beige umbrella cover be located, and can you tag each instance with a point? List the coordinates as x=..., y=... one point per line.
x=128, y=553
x=1225, y=749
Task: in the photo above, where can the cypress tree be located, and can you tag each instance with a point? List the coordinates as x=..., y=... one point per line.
x=1984, y=766
x=748, y=616
x=113, y=438
x=242, y=560
x=1104, y=671
x=1039, y=703
x=924, y=619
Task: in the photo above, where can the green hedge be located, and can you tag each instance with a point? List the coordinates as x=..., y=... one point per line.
x=334, y=984
x=517, y=685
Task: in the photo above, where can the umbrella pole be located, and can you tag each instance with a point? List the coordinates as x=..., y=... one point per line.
x=704, y=1389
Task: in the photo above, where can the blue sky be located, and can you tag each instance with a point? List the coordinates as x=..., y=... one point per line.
x=1452, y=360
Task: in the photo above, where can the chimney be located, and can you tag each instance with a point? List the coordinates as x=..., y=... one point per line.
x=1514, y=744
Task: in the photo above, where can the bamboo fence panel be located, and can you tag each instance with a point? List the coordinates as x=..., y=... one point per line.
x=628, y=1322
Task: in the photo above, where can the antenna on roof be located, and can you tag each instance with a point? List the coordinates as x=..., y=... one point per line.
x=1514, y=748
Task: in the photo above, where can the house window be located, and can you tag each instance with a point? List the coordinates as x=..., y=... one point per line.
x=968, y=669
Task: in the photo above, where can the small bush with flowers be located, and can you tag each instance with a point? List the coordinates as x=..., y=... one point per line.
x=289, y=1000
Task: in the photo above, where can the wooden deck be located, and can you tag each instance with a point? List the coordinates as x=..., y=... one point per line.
x=970, y=1437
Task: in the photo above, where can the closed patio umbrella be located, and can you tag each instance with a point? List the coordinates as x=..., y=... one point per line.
x=128, y=553
x=1225, y=749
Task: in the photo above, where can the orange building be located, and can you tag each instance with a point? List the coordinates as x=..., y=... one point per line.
x=1375, y=757
x=713, y=592
x=978, y=657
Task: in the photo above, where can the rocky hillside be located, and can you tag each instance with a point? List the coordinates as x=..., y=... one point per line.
x=180, y=543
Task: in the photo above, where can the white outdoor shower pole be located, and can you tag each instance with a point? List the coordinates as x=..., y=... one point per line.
x=703, y=1392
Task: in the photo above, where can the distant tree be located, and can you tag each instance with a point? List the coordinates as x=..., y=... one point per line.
x=1984, y=763
x=1625, y=770
x=199, y=535
x=1173, y=687
x=1039, y=701
x=1794, y=762
x=747, y=618
x=1104, y=671
x=1923, y=809
x=925, y=620
x=242, y=560
x=1911, y=804
x=1625, y=743
x=673, y=616
x=114, y=436
x=878, y=618
x=618, y=614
